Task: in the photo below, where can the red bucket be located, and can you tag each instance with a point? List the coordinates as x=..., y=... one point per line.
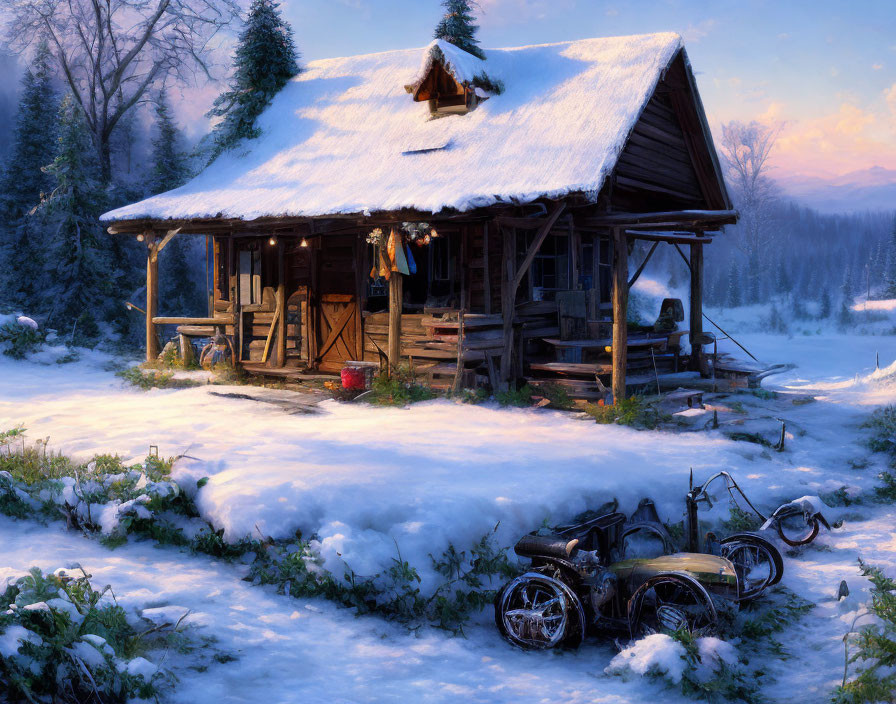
x=353, y=379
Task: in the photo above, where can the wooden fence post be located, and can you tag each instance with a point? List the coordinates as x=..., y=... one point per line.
x=152, y=297
x=696, y=308
x=620, y=312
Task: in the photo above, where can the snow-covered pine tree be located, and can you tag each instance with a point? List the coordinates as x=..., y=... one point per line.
x=77, y=267
x=23, y=182
x=180, y=293
x=266, y=58
x=457, y=26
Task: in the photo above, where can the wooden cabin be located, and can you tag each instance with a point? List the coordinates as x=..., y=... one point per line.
x=518, y=185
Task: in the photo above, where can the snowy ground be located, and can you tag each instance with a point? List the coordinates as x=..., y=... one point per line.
x=367, y=479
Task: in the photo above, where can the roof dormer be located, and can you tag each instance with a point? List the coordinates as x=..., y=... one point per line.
x=452, y=80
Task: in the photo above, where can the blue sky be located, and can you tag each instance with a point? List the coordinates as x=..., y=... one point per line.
x=825, y=70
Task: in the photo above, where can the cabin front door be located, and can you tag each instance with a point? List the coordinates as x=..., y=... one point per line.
x=337, y=335
x=338, y=329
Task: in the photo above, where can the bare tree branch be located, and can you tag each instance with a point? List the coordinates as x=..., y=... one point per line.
x=111, y=52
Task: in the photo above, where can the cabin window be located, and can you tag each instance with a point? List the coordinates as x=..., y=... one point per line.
x=250, y=276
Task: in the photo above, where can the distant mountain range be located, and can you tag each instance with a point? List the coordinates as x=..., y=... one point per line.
x=868, y=189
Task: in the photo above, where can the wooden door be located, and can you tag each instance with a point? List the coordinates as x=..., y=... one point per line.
x=338, y=315
x=337, y=330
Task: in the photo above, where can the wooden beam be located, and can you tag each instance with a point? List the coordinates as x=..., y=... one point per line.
x=396, y=283
x=631, y=281
x=281, y=303
x=679, y=219
x=696, y=309
x=169, y=320
x=486, y=281
x=687, y=263
x=620, y=313
x=152, y=297
x=671, y=237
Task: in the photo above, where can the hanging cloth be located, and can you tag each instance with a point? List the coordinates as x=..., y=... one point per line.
x=412, y=265
x=396, y=253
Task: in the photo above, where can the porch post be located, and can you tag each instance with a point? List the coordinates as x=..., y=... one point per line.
x=620, y=312
x=696, y=311
x=281, y=304
x=152, y=296
x=396, y=283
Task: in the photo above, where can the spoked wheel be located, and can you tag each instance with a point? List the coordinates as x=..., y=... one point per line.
x=539, y=612
x=671, y=602
x=754, y=564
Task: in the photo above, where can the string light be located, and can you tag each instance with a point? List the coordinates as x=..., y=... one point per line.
x=303, y=243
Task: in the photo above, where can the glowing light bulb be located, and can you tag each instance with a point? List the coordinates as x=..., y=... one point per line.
x=140, y=237
x=303, y=243
x=272, y=241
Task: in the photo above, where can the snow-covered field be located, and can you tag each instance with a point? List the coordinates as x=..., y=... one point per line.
x=367, y=480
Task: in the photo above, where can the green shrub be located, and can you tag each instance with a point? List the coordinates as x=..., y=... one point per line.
x=887, y=492
x=726, y=683
x=633, y=411
x=75, y=644
x=883, y=425
x=520, y=398
x=740, y=520
x=875, y=679
x=398, y=389
x=147, y=379
x=298, y=570
x=19, y=341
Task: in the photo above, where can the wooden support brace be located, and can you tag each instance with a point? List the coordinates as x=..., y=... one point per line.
x=631, y=281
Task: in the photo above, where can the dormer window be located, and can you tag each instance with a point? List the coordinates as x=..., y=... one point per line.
x=453, y=81
x=445, y=95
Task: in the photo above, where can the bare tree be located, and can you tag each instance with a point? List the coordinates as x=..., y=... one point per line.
x=112, y=52
x=745, y=150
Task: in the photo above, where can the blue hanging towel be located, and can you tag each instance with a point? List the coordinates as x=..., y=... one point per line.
x=412, y=265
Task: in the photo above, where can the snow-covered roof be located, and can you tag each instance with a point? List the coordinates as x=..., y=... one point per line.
x=344, y=136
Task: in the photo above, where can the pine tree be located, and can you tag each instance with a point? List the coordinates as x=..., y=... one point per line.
x=169, y=167
x=734, y=286
x=266, y=58
x=23, y=182
x=76, y=263
x=179, y=293
x=457, y=26
x=824, y=306
x=890, y=267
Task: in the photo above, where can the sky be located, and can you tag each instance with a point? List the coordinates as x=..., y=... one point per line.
x=823, y=71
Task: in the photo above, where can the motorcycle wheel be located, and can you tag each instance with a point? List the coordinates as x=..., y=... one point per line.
x=537, y=612
x=755, y=563
x=668, y=603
